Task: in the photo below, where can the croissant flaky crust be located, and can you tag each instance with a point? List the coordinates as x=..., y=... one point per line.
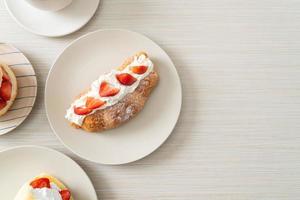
x=126, y=108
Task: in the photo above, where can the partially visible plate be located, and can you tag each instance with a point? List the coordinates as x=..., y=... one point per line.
x=52, y=24
x=80, y=64
x=20, y=164
x=27, y=87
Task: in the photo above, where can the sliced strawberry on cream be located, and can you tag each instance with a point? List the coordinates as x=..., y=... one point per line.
x=40, y=183
x=94, y=103
x=107, y=90
x=65, y=194
x=139, y=69
x=82, y=110
x=126, y=79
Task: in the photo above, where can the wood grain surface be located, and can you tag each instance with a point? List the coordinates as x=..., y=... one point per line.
x=238, y=136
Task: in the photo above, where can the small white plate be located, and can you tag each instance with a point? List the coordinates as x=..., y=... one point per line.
x=27, y=87
x=80, y=64
x=52, y=24
x=20, y=164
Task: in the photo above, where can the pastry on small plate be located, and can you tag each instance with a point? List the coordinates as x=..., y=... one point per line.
x=8, y=88
x=44, y=187
x=116, y=97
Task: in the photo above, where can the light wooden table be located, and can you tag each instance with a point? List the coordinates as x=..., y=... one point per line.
x=238, y=136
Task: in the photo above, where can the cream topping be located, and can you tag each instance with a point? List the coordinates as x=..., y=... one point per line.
x=51, y=193
x=111, y=79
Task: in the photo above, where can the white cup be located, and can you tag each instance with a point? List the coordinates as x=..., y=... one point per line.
x=49, y=5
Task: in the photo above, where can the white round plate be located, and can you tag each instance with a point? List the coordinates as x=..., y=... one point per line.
x=27, y=87
x=80, y=64
x=20, y=164
x=52, y=24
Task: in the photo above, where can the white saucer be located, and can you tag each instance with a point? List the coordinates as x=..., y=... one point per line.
x=52, y=24
x=80, y=64
x=20, y=164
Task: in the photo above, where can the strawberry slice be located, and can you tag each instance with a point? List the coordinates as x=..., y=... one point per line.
x=93, y=103
x=139, y=69
x=40, y=183
x=125, y=79
x=82, y=110
x=5, y=76
x=2, y=103
x=65, y=194
x=107, y=91
x=5, y=90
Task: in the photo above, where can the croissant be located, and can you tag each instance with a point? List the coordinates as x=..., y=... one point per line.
x=116, y=97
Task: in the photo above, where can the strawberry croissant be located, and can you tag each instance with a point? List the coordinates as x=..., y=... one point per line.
x=116, y=97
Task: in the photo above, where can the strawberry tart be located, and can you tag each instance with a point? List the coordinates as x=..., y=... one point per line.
x=44, y=187
x=8, y=88
x=116, y=97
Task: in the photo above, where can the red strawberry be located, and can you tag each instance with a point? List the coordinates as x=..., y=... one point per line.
x=40, y=183
x=5, y=76
x=2, y=103
x=65, y=194
x=139, y=69
x=107, y=91
x=82, y=111
x=5, y=90
x=93, y=103
x=125, y=79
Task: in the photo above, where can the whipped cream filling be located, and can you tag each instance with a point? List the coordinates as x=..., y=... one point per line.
x=51, y=193
x=112, y=80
